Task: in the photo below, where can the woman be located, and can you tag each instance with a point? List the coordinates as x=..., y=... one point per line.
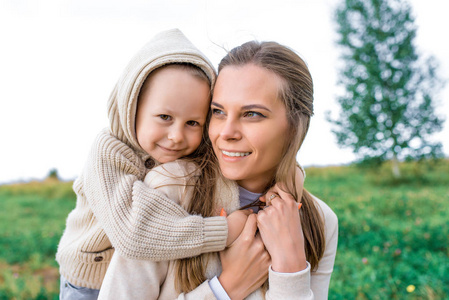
x=261, y=110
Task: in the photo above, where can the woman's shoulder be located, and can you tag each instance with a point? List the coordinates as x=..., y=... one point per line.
x=330, y=218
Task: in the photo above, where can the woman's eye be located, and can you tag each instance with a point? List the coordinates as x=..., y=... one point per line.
x=216, y=111
x=165, y=117
x=193, y=123
x=253, y=114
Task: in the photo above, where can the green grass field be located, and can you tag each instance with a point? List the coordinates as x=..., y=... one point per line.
x=393, y=235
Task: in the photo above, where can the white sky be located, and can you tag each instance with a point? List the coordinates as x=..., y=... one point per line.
x=59, y=60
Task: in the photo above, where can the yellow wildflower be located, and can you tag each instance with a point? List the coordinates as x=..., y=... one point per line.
x=411, y=288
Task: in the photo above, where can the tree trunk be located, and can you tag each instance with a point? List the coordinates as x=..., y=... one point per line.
x=395, y=167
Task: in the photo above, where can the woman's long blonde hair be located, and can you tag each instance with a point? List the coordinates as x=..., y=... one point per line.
x=297, y=95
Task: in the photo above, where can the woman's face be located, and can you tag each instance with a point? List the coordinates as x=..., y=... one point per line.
x=249, y=127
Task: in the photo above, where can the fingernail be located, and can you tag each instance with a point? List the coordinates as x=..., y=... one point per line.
x=299, y=206
x=222, y=213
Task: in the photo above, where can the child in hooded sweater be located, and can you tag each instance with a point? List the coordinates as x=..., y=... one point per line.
x=158, y=113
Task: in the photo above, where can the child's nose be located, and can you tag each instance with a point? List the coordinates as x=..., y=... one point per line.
x=176, y=135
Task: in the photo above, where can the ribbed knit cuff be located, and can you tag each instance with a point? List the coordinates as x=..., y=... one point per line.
x=215, y=234
x=290, y=285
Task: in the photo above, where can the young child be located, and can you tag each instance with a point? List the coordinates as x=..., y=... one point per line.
x=158, y=113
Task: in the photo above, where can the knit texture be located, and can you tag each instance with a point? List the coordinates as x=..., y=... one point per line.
x=115, y=210
x=137, y=279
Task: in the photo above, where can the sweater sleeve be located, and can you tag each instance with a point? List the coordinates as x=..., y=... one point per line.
x=141, y=222
x=320, y=278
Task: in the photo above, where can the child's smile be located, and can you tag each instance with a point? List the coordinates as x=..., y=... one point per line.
x=171, y=113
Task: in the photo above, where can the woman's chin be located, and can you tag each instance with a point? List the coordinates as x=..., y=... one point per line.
x=231, y=175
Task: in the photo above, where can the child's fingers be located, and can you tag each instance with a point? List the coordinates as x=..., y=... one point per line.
x=223, y=213
x=247, y=211
x=249, y=231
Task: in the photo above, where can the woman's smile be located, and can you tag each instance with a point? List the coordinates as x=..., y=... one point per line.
x=235, y=153
x=248, y=128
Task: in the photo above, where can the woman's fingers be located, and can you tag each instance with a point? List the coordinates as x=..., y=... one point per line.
x=245, y=263
x=269, y=196
x=280, y=229
x=277, y=194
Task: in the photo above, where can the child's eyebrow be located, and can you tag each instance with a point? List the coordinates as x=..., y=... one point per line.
x=197, y=118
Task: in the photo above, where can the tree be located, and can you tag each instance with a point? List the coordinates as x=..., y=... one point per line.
x=53, y=174
x=388, y=106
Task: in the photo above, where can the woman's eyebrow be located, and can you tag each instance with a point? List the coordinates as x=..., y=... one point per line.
x=246, y=107
x=216, y=104
x=252, y=106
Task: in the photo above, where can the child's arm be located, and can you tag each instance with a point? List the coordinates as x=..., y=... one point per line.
x=140, y=222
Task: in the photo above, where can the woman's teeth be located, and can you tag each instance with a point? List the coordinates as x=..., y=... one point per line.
x=235, y=153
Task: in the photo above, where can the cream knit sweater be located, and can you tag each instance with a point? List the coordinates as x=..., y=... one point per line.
x=138, y=279
x=115, y=210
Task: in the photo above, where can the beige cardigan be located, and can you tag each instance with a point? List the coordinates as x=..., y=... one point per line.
x=141, y=279
x=115, y=210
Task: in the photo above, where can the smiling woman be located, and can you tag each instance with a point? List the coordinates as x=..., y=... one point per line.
x=248, y=128
x=262, y=104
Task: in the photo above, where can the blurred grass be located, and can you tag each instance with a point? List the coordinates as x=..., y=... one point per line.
x=393, y=234
x=32, y=218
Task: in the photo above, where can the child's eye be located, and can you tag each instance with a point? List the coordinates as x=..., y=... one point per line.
x=253, y=114
x=165, y=117
x=193, y=123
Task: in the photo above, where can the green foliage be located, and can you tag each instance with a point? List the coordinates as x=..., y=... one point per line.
x=32, y=218
x=53, y=174
x=388, y=107
x=392, y=235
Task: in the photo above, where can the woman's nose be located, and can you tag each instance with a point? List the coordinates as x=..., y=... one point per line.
x=231, y=130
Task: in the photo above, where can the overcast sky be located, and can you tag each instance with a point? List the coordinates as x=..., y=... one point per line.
x=59, y=60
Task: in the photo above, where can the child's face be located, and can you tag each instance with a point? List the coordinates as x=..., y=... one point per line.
x=171, y=113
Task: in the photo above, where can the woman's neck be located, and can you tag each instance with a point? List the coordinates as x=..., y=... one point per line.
x=253, y=186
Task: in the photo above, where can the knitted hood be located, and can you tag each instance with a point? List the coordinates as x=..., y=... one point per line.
x=166, y=47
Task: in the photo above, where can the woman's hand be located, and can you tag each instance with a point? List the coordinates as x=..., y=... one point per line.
x=245, y=263
x=280, y=228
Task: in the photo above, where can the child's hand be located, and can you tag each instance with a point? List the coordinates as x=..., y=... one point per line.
x=236, y=223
